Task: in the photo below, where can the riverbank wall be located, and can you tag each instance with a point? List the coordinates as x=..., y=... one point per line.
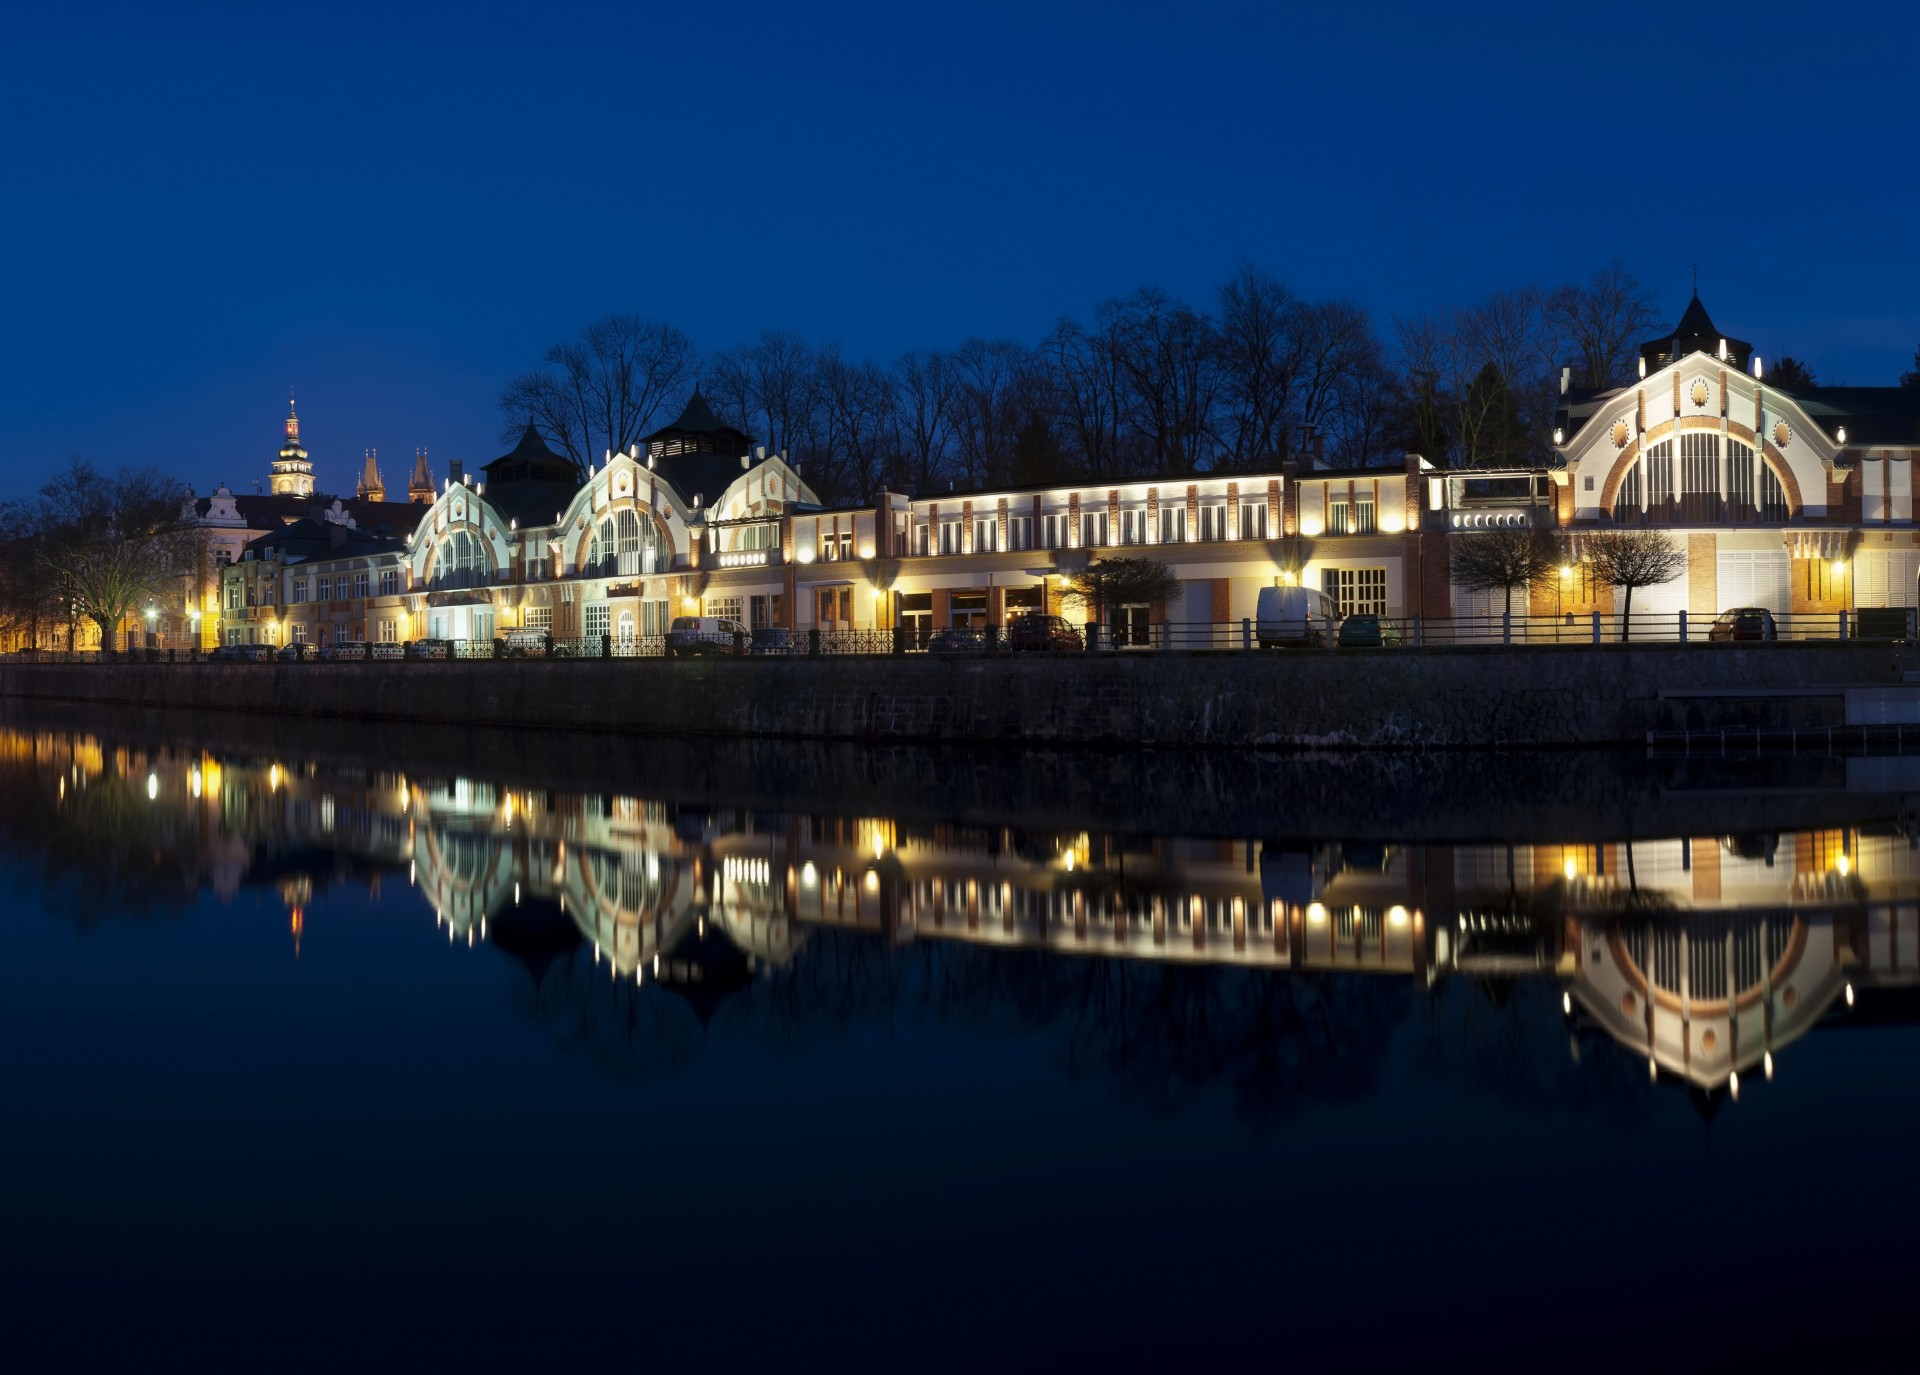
x=1464, y=698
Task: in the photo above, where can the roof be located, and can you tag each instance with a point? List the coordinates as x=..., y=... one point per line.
x=1870, y=415
x=532, y=451
x=310, y=541
x=1695, y=334
x=530, y=483
x=271, y=512
x=696, y=418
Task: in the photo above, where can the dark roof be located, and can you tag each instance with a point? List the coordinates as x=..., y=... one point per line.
x=1870, y=415
x=308, y=540
x=702, y=475
x=1695, y=334
x=532, y=450
x=271, y=512
x=697, y=418
x=532, y=482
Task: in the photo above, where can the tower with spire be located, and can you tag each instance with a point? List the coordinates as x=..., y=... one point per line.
x=291, y=474
x=371, y=487
x=420, y=485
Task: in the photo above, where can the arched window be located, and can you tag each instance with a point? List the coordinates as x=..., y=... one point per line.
x=461, y=561
x=627, y=542
x=627, y=635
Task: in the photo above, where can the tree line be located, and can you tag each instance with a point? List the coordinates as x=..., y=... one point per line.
x=1147, y=385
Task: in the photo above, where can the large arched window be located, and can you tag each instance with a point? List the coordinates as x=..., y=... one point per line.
x=1706, y=479
x=627, y=541
x=461, y=561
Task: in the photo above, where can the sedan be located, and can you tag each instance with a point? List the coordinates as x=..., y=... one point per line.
x=299, y=652
x=1367, y=632
x=1744, y=623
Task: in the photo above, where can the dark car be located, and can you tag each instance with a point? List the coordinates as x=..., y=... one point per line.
x=956, y=640
x=1744, y=623
x=1367, y=632
x=297, y=652
x=1041, y=632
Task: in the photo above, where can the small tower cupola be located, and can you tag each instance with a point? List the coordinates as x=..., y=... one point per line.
x=1695, y=334
x=291, y=474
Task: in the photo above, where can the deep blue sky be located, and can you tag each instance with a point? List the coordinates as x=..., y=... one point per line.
x=395, y=211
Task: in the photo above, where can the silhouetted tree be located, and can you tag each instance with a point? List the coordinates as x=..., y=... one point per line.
x=1502, y=560
x=1790, y=374
x=602, y=390
x=1912, y=379
x=1107, y=583
x=1632, y=559
x=1598, y=325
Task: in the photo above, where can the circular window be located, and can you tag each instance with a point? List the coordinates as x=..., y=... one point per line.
x=1699, y=393
x=1620, y=434
x=1782, y=436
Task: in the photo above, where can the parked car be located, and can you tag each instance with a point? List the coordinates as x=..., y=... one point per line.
x=1366, y=632
x=428, y=649
x=224, y=654
x=1035, y=631
x=346, y=649
x=254, y=654
x=690, y=635
x=957, y=639
x=771, y=639
x=387, y=649
x=524, y=644
x=1744, y=623
x=299, y=652
x=1297, y=616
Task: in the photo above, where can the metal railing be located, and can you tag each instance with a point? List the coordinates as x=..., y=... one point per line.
x=1873, y=624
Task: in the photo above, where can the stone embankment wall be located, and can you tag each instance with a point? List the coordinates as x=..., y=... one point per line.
x=1462, y=698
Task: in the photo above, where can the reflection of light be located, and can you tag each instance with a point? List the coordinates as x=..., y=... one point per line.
x=1839, y=568
x=1733, y=1084
x=1653, y=1070
x=153, y=786
x=1766, y=1064
x=1316, y=913
x=193, y=781
x=808, y=874
x=1571, y=869
x=273, y=778
x=873, y=881
x=1843, y=866
x=1566, y=1004
x=1069, y=859
x=1396, y=916
x=1849, y=995
x=516, y=893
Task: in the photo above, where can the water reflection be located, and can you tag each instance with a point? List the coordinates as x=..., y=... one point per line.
x=1166, y=964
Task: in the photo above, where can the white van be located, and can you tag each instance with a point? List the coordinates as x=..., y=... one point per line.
x=1295, y=616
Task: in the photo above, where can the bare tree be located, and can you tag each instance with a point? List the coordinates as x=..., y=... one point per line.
x=1107, y=583
x=1259, y=351
x=602, y=390
x=108, y=542
x=990, y=394
x=1167, y=353
x=1598, y=325
x=1090, y=396
x=1502, y=560
x=1631, y=559
x=1912, y=379
x=923, y=387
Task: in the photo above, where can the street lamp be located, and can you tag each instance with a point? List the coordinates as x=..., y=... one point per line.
x=152, y=613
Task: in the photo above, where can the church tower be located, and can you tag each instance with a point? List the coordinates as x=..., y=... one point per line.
x=292, y=474
x=371, y=487
x=420, y=486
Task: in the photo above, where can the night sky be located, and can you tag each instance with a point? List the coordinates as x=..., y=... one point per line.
x=392, y=213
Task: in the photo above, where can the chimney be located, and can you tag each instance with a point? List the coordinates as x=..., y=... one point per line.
x=456, y=472
x=1566, y=380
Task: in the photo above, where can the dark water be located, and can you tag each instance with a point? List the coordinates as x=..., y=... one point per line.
x=363, y=1045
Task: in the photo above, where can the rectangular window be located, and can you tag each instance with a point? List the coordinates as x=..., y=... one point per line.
x=1056, y=531
x=1253, y=520
x=1173, y=524
x=299, y=590
x=599, y=621
x=986, y=536
x=1019, y=532
x=1659, y=466
x=299, y=633
x=726, y=608
x=1699, y=476
x=537, y=618
x=359, y=584
x=326, y=589
x=1213, y=523
x=1358, y=591
x=1094, y=529
x=389, y=631
x=390, y=583
x=1363, y=517
x=949, y=536
x=835, y=605
x=920, y=537
x=1133, y=527
x=1339, y=519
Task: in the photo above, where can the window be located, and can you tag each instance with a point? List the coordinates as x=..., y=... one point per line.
x=297, y=633
x=233, y=596
x=390, y=583
x=599, y=620
x=1659, y=466
x=326, y=589
x=1358, y=591
x=1253, y=520
x=1133, y=527
x=1338, y=518
x=835, y=604
x=1699, y=476
x=1773, y=497
x=359, y=584
x=949, y=536
x=920, y=540
x=389, y=631
x=537, y=618
x=1019, y=532
x=626, y=540
x=1055, y=531
x=629, y=631
x=1095, y=530
x=1213, y=522
x=986, y=535
x=460, y=561
x=726, y=608
x=299, y=590
x=1173, y=524
x=763, y=611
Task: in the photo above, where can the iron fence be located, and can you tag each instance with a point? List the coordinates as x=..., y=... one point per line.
x=1888, y=625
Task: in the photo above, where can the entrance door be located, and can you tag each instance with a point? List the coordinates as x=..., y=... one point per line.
x=1130, y=625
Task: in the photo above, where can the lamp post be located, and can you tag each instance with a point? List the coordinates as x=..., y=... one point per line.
x=152, y=615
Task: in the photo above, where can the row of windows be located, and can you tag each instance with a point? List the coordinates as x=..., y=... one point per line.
x=1686, y=484
x=1098, y=530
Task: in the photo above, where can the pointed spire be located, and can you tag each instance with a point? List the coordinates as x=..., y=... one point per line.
x=293, y=422
x=371, y=486
x=420, y=485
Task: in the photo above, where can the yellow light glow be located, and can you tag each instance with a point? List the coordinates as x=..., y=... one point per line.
x=873, y=881
x=1843, y=866
x=1766, y=1064
x=809, y=875
x=1287, y=577
x=1570, y=869
x=1566, y=1004
x=1733, y=1085
x=1392, y=524
x=1316, y=913
x=1396, y=916
x=690, y=605
x=1310, y=528
x=153, y=786
x=803, y=556
x=1839, y=568
x=866, y=551
x=1069, y=860
x=194, y=784
x=1566, y=570
x=1849, y=995
x=273, y=778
